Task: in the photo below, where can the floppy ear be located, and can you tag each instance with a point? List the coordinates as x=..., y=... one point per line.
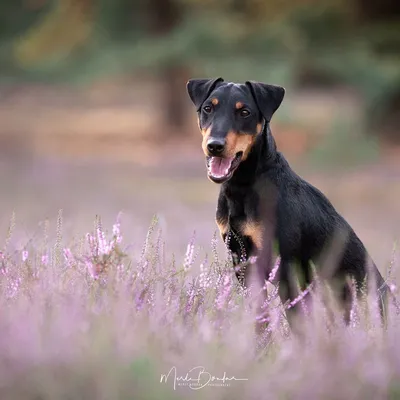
x=267, y=97
x=200, y=89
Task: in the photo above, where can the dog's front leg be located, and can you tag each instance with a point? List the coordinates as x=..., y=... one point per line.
x=234, y=242
x=259, y=268
x=294, y=292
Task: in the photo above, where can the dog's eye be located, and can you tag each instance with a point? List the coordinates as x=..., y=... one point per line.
x=244, y=113
x=207, y=109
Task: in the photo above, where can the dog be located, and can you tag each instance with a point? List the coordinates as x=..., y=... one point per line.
x=264, y=204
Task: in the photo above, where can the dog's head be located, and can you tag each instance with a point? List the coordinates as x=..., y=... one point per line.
x=230, y=118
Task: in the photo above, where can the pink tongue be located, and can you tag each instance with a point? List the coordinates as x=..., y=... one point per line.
x=220, y=166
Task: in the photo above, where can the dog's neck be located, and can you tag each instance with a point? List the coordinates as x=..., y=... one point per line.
x=261, y=157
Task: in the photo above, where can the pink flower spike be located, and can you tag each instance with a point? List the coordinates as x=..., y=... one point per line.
x=224, y=293
x=103, y=247
x=92, y=244
x=117, y=232
x=25, y=255
x=300, y=297
x=189, y=257
x=262, y=319
x=69, y=257
x=45, y=259
x=93, y=271
x=274, y=270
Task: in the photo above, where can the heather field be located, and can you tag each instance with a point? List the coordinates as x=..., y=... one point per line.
x=98, y=304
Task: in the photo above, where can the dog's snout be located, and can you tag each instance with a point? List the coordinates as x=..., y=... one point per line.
x=215, y=146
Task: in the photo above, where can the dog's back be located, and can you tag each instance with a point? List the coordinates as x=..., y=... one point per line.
x=309, y=228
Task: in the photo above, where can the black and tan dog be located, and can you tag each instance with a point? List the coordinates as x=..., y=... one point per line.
x=263, y=202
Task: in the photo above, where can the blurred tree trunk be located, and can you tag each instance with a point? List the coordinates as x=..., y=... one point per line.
x=174, y=97
x=373, y=10
x=384, y=16
x=165, y=15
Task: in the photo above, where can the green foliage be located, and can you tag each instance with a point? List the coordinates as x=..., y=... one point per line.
x=221, y=36
x=271, y=41
x=15, y=18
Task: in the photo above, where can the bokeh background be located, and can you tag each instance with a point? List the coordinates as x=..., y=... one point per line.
x=94, y=116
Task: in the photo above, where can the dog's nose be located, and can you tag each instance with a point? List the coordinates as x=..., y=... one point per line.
x=216, y=146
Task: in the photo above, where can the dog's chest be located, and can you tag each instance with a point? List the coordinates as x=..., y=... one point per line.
x=248, y=216
x=254, y=204
x=243, y=220
x=242, y=207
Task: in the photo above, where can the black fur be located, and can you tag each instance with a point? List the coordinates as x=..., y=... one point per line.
x=266, y=191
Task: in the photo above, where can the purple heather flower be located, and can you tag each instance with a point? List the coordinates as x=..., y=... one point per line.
x=25, y=255
x=300, y=296
x=69, y=258
x=102, y=242
x=117, y=232
x=224, y=292
x=274, y=270
x=189, y=257
x=45, y=259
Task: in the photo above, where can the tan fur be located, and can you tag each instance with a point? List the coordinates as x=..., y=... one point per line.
x=239, y=105
x=206, y=134
x=214, y=101
x=259, y=128
x=223, y=227
x=255, y=231
x=236, y=142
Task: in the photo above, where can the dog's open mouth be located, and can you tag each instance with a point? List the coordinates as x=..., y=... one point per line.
x=221, y=169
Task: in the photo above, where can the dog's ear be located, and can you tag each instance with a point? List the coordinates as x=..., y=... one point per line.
x=200, y=89
x=267, y=97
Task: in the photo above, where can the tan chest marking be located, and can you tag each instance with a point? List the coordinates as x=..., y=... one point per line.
x=223, y=227
x=255, y=231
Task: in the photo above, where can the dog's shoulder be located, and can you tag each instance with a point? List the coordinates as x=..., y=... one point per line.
x=298, y=186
